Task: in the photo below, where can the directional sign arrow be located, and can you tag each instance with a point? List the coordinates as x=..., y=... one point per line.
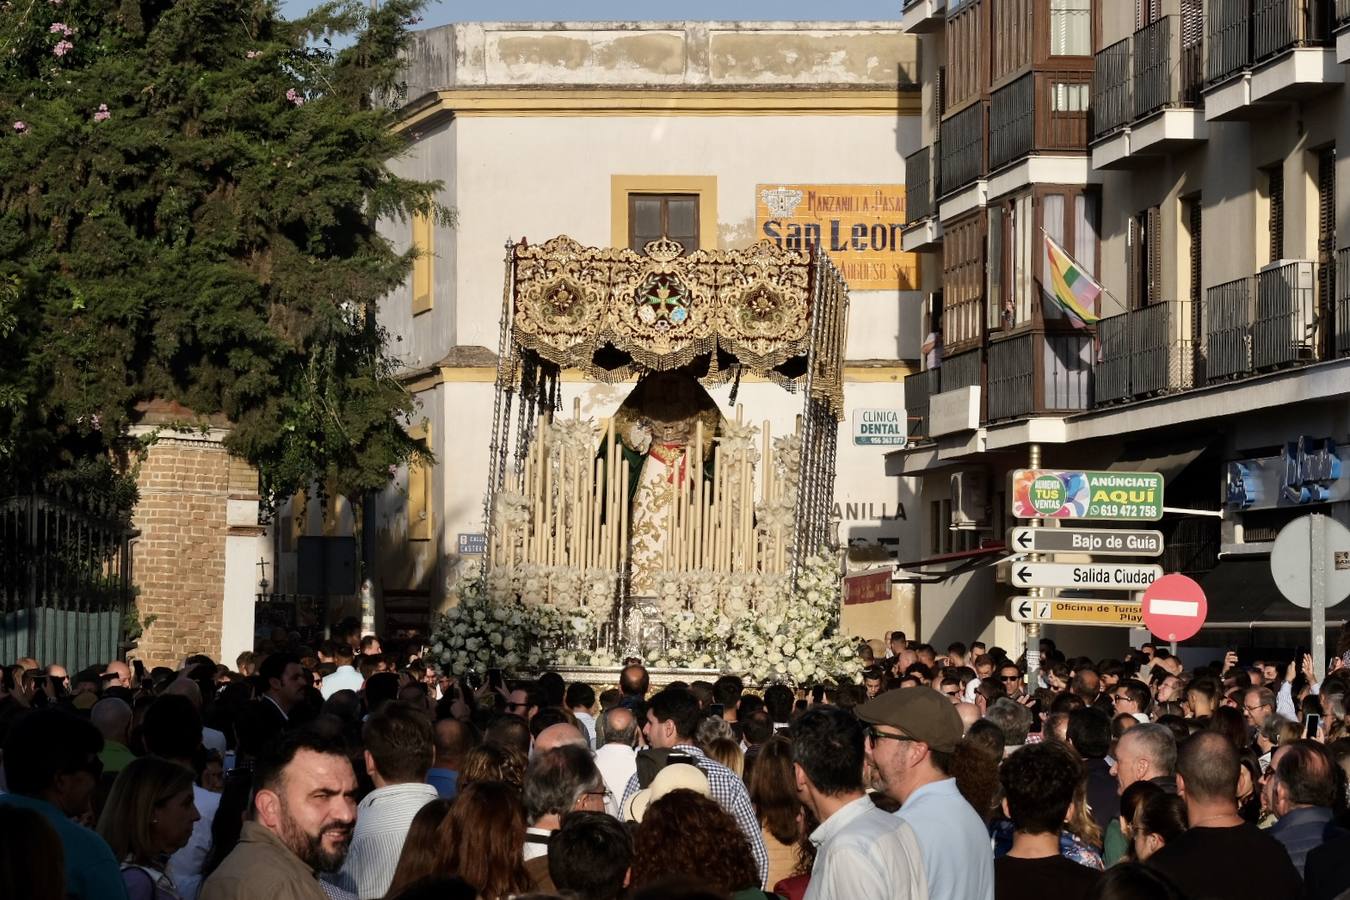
x=1101, y=576
x=1097, y=541
x=1094, y=611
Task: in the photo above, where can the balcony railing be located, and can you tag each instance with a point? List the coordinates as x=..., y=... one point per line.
x=1166, y=73
x=1228, y=35
x=1112, y=106
x=1012, y=377
x=1228, y=329
x=1280, y=25
x=1039, y=111
x=962, y=160
x=919, y=185
x=1241, y=33
x=1111, y=379
x=961, y=370
x=1284, y=328
x=1037, y=372
x=1146, y=351
x=1341, y=314
x=919, y=387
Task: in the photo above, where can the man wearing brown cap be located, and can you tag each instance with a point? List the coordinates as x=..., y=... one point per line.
x=910, y=742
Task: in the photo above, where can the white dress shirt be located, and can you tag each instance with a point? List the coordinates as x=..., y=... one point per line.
x=587, y=725
x=185, y=866
x=863, y=852
x=382, y=822
x=345, y=678
x=953, y=841
x=617, y=763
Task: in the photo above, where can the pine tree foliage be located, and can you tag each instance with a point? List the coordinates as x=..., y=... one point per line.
x=188, y=198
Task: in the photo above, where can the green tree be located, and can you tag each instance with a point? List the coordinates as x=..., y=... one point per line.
x=188, y=198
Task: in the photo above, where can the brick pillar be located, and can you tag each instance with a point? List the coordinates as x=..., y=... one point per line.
x=179, y=558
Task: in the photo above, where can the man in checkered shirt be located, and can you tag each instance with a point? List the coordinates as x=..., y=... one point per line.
x=672, y=719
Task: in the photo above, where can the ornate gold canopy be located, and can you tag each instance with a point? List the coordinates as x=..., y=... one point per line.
x=613, y=313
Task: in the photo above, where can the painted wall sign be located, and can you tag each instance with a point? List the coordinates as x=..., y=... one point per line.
x=869, y=587
x=874, y=427
x=1058, y=494
x=857, y=224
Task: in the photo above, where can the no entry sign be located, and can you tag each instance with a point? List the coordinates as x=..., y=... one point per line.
x=1174, y=608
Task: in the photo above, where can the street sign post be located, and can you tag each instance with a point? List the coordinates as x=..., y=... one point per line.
x=1174, y=608
x=1123, y=614
x=1097, y=541
x=1310, y=563
x=1074, y=494
x=1102, y=576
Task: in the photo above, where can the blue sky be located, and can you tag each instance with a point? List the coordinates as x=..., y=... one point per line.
x=439, y=12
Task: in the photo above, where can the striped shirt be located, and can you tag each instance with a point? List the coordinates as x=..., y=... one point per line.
x=730, y=793
x=382, y=822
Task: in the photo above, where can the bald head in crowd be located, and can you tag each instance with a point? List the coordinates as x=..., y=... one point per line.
x=453, y=740
x=187, y=688
x=112, y=717
x=561, y=735
x=618, y=726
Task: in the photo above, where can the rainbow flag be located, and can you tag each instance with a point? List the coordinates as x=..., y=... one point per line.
x=1071, y=288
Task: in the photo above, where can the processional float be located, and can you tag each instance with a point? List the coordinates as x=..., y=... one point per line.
x=644, y=510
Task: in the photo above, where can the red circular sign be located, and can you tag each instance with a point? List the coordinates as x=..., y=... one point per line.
x=1174, y=608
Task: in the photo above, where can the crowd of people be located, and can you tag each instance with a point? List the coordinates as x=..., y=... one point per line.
x=344, y=771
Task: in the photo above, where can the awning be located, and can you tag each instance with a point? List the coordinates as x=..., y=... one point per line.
x=1169, y=460
x=947, y=565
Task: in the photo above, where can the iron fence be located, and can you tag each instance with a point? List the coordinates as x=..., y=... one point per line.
x=1012, y=121
x=1280, y=25
x=963, y=148
x=919, y=388
x=65, y=580
x=1163, y=357
x=1228, y=329
x=1112, y=86
x=1112, y=380
x=1012, y=377
x=1228, y=34
x=1341, y=313
x=961, y=370
x=1284, y=328
x=918, y=185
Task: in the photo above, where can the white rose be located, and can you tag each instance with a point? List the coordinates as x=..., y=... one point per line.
x=795, y=667
x=495, y=638
x=508, y=643
x=472, y=644
x=780, y=669
x=789, y=648
x=775, y=657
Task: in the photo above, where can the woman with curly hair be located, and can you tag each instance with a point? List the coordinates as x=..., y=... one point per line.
x=493, y=762
x=690, y=838
x=482, y=840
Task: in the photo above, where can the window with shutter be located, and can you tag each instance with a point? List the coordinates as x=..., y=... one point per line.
x=1133, y=263
x=1275, y=222
x=941, y=91
x=994, y=264
x=1196, y=287
x=423, y=237
x=1154, y=250
x=1326, y=249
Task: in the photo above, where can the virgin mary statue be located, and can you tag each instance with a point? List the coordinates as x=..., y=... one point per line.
x=654, y=427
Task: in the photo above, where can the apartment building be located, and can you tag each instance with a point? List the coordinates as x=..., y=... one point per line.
x=1185, y=153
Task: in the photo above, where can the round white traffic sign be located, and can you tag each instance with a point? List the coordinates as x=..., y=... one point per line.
x=1291, y=560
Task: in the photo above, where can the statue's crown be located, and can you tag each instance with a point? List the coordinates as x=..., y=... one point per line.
x=664, y=249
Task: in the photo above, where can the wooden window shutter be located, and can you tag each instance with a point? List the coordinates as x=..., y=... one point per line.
x=994, y=265
x=1132, y=262
x=1276, y=212
x=1154, y=250
x=419, y=507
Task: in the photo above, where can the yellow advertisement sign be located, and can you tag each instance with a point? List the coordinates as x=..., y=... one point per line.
x=857, y=224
